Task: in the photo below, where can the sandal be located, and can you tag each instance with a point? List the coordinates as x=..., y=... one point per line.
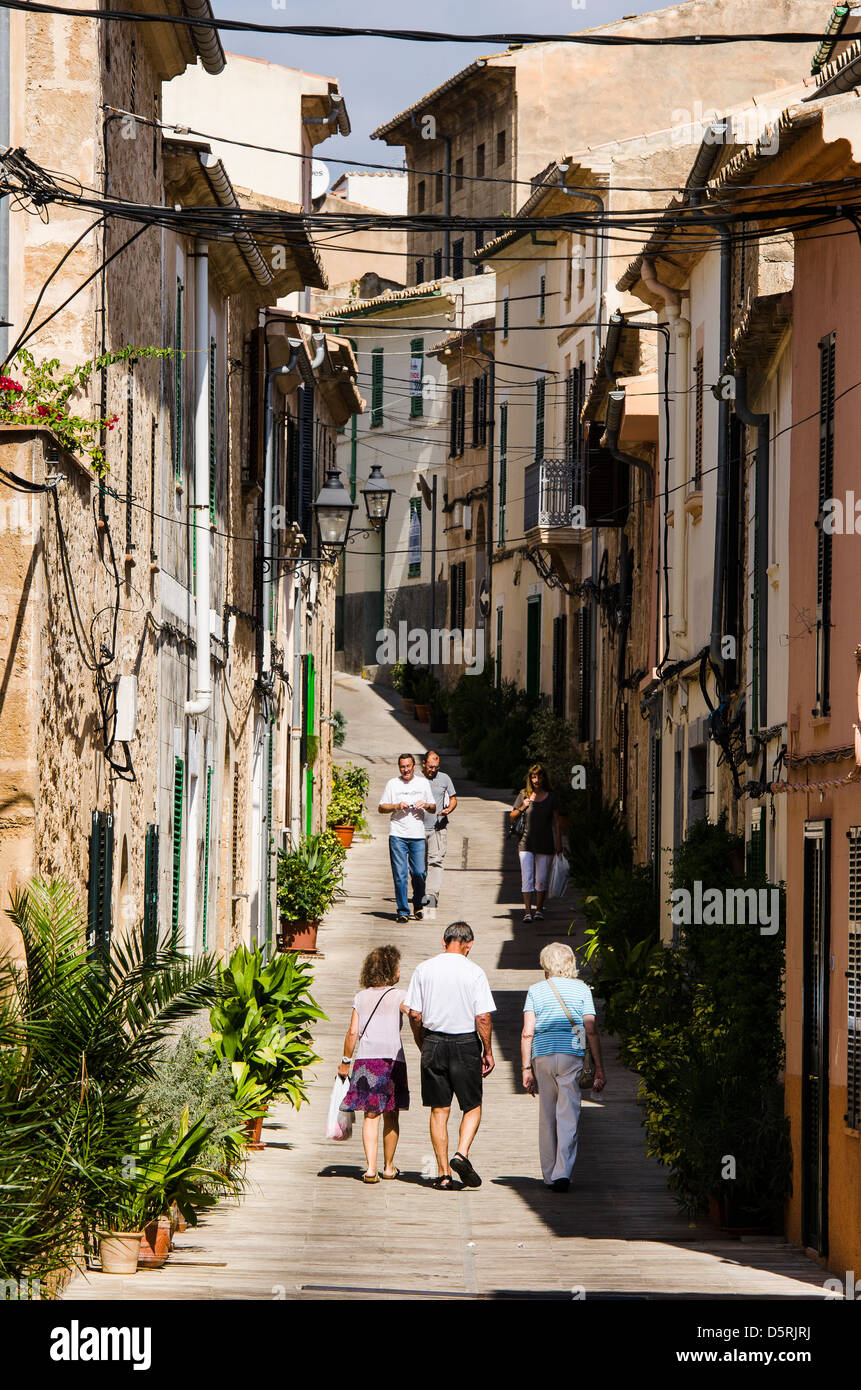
x=538, y=915
x=370, y=1177
x=465, y=1171
x=527, y=917
x=444, y=1183
x=387, y=1177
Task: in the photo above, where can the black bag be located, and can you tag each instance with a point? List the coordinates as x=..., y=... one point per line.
x=517, y=827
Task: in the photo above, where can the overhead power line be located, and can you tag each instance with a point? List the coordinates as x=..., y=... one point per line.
x=337, y=31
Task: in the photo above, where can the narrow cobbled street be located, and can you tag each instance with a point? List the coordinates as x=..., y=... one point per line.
x=309, y=1228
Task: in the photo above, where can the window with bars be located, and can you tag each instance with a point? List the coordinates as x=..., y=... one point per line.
x=542, y=295
x=479, y=412
x=540, y=394
x=584, y=662
x=500, y=147
x=853, y=985
x=213, y=437
x=457, y=259
x=823, y=545
x=560, y=664
x=178, y=404
x=457, y=586
x=417, y=367
x=503, y=471
x=420, y=271
x=176, y=859
x=699, y=400
x=437, y=265
x=234, y=830
x=377, y=367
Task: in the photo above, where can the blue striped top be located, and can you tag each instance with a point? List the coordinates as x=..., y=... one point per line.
x=553, y=1031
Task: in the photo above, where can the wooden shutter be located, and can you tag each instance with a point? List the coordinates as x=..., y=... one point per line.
x=176, y=832
x=177, y=384
x=540, y=391
x=853, y=985
x=150, y=912
x=699, y=399
x=100, y=884
x=457, y=259
x=417, y=350
x=213, y=355
x=130, y=454
x=756, y=846
x=452, y=439
x=823, y=558
x=457, y=579
x=560, y=664
x=505, y=313
x=606, y=484
x=584, y=661
x=305, y=494
x=376, y=388
x=253, y=471
x=206, y=852
x=503, y=470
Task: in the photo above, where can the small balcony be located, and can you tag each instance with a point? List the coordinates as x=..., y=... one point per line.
x=552, y=493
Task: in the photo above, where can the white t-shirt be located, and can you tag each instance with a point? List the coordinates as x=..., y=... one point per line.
x=407, y=825
x=448, y=991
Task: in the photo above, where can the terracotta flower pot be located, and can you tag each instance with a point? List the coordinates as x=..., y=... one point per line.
x=177, y=1220
x=155, y=1246
x=422, y=713
x=297, y=936
x=409, y=705
x=345, y=834
x=119, y=1251
x=253, y=1129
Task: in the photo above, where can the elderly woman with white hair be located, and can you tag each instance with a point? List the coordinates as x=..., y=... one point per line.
x=558, y=1022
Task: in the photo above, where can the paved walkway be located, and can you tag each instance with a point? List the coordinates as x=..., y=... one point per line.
x=309, y=1229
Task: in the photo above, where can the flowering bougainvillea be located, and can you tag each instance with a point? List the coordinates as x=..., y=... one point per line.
x=45, y=395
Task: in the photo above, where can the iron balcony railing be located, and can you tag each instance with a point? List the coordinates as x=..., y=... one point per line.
x=552, y=489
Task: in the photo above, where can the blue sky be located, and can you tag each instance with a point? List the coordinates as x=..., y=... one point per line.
x=381, y=77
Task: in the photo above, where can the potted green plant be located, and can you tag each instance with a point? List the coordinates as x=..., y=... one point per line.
x=308, y=882
x=424, y=688
x=347, y=801
x=403, y=681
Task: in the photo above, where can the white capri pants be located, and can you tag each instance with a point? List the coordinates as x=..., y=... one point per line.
x=559, y=1098
x=534, y=870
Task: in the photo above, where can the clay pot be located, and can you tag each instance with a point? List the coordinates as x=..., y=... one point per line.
x=253, y=1129
x=119, y=1251
x=345, y=834
x=177, y=1220
x=409, y=705
x=423, y=713
x=155, y=1246
x=297, y=936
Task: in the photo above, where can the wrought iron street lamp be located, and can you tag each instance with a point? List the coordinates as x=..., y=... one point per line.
x=378, y=497
x=334, y=512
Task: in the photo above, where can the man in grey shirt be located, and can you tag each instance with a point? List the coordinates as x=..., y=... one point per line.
x=436, y=823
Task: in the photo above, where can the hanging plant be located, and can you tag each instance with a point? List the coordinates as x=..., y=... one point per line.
x=40, y=394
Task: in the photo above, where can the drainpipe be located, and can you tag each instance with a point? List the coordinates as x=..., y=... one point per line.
x=721, y=496
x=680, y=331
x=203, y=693
x=491, y=446
x=762, y=424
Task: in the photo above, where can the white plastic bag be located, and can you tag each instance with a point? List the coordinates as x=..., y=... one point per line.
x=558, y=884
x=339, y=1124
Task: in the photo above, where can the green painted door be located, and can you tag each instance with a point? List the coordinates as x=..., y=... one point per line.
x=311, y=744
x=533, y=645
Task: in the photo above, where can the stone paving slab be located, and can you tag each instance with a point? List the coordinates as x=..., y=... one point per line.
x=309, y=1229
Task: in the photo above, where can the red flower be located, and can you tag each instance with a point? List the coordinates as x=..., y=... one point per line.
x=7, y=384
x=42, y=410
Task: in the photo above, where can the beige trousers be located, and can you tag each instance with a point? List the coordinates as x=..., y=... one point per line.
x=559, y=1112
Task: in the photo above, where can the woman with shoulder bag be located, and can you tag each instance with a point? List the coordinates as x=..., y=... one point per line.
x=378, y=1084
x=559, y=1032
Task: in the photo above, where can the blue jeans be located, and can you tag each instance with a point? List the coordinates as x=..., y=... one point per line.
x=410, y=853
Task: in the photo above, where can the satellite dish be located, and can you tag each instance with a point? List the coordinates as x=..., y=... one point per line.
x=319, y=178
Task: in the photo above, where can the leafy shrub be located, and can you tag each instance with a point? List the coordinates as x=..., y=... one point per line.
x=339, y=728
x=492, y=726
x=183, y=1082
x=309, y=878
x=349, y=792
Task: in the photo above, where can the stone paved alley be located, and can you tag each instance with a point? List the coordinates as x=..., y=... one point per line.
x=309, y=1229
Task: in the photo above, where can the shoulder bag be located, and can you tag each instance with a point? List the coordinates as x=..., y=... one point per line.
x=586, y=1079
x=517, y=827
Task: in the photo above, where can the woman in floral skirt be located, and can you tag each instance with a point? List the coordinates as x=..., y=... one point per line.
x=378, y=1085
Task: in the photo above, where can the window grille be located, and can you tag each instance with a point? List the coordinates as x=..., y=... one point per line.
x=503, y=470
x=823, y=558
x=376, y=388
x=699, y=399
x=853, y=985
x=540, y=391
x=178, y=779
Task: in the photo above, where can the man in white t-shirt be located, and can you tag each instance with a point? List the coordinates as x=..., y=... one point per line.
x=404, y=800
x=450, y=1004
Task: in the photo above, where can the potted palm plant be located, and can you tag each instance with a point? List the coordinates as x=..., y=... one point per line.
x=346, y=810
x=308, y=882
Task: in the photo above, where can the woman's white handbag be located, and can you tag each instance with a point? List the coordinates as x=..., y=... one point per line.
x=558, y=884
x=339, y=1124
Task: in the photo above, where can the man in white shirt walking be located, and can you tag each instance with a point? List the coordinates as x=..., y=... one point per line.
x=450, y=1005
x=404, y=800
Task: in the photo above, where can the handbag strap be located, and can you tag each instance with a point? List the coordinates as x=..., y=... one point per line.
x=371, y=1014
x=564, y=1005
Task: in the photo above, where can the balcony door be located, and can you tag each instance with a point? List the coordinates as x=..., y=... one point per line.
x=814, y=1076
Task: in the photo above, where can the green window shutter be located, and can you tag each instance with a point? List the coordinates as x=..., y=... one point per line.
x=206, y=851
x=177, y=385
x=100, y=884
x=178, y=779
x=503, y=470
x=213, y=354
x=540, y=388
x=417, y=365
x=150, y=913
x=376, y=388
x=310, y=721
